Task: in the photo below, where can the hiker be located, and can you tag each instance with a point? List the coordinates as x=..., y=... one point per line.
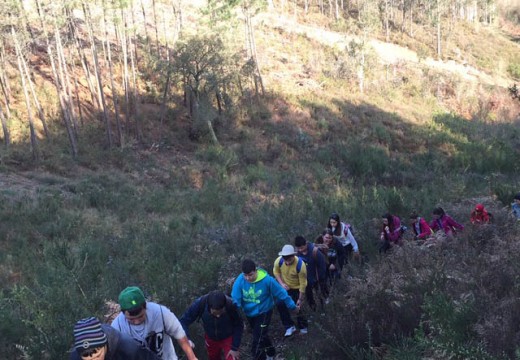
x=335, y=254
x=255, y=292
x=420, y=226
x=444, y=222
x=96, y=341
x=151, y=324
x=391, y=232
x=316, y=271
x=515, y=207
x=291, y=273
x=480, y=215
x=222, y=323
x=343, y=233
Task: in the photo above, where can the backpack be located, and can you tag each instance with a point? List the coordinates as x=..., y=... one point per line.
x=298, y=265
x=346, y=229
x=324, y=250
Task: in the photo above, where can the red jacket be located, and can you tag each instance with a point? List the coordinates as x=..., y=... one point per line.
x=421, y=228
x=481, y=217
x=447, y=224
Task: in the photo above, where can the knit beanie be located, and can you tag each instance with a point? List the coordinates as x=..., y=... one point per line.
x=88, y=334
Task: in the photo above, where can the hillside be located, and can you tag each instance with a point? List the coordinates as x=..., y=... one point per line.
x=213, y=170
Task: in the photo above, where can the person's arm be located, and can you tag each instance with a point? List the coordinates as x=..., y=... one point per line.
x=173, y=327
x=238, y=328
x=236, y=293
x=352, y=240
x=302, y=279
x=190, y=316
x=454, y=224
x=321, y=265
x=279, y=293
x=396, y=233
x=434, y=225
x=186, y=347
x=277, y=272
x=425, y=229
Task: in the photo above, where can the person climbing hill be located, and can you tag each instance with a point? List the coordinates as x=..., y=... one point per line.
x=444, y=222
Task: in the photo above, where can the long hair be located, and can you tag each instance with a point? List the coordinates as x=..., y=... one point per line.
x=337, y=230
x=390, y=219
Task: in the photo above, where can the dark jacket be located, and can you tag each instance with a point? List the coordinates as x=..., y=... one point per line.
x=316, y=265
x=230, y=323
x=121, y=347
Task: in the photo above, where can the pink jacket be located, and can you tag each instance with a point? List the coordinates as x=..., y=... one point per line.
x=447, y=224
x=421, y=228
x=395, y=234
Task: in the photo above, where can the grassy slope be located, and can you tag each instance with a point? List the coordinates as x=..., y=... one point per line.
x=178, y=217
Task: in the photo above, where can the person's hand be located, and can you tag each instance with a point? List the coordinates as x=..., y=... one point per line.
x=233, y=353
x=285, y=286
x=356, y=255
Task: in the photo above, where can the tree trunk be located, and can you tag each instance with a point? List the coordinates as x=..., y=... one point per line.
x=439, y=54
x=4, y=80
x=98, y=75
x=34, y=139
x=5, y=128
x=84, y=64
x=112, y=83
x=35, y=98
x=252, y=50
x=135, y=94
x=145, y=24
x=124, y=47
x=56, y=81
x=156, y=27
x=165, y=96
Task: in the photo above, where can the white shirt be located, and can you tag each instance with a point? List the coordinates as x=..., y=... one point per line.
x=156, y=332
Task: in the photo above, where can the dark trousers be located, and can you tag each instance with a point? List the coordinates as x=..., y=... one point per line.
x=285, y=315
x=322, y=291
x=261, y=344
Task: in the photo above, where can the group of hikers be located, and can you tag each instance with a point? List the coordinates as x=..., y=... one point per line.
x=145, y=330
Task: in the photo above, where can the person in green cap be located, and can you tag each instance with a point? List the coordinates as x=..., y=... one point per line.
x=151, y=324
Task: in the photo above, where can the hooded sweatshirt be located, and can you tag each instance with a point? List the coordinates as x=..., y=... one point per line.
x=259, y=296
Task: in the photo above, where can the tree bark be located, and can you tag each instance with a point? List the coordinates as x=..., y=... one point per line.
x=5, y=128
x=98, y=75
x=34, y=139
x=115, y=98
x=56, y=81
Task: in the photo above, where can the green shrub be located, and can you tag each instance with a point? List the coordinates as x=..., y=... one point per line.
x=514, y=70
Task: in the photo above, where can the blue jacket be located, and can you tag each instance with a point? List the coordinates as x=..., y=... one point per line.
x=228, y=324
x=260, y=296
x=316, y=264
x=516, y=210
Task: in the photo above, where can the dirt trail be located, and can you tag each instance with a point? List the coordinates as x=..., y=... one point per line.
x=388, y=53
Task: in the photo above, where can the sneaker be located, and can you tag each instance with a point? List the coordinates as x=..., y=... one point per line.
x=290, y=331
x=327, y=301
x=304, y=331
x=269, y=357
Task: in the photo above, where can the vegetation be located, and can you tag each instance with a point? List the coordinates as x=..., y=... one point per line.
x=221, y=150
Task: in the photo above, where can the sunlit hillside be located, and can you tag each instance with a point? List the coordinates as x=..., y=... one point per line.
x=160, y=143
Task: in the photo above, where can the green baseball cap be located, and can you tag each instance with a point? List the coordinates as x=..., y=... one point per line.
x=130, y=298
